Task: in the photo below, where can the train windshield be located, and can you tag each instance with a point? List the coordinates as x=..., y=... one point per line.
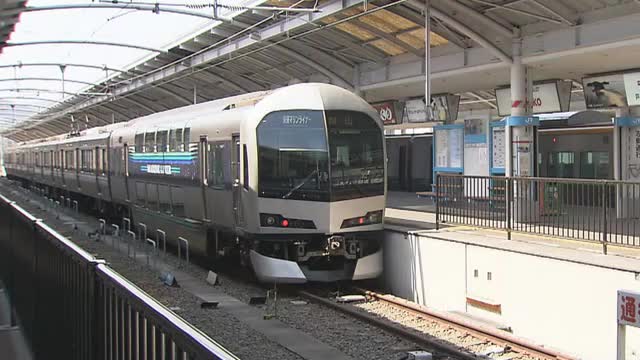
x=297, y=162
x=356, y=155
x=293, y=156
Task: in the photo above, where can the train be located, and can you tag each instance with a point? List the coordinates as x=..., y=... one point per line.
x=290, y=182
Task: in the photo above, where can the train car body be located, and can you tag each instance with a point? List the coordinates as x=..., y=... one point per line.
x=292, y=181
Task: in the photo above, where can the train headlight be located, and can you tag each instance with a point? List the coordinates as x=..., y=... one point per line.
x=372, y=217
x=279, y=221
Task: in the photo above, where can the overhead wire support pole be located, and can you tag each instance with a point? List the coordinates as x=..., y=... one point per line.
x=427, y=58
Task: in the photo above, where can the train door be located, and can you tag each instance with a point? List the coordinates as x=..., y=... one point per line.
x=203, y=154
x=78, y=163
x=237, y=189
x=97, y=168
x=125, y=174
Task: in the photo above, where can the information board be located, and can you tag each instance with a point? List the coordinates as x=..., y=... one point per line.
x=449, y=147
x=498, y=151
x=631, y=162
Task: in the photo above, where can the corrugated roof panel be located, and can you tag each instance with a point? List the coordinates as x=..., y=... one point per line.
x=388, y=47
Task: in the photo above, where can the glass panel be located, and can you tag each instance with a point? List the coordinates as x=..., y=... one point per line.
x=594, y=165
x=220, y=165
x=561, y=164
x=186, y=139
x=178, y=145
x=161, y=141
x=245, y=167
x=293, y=156
x=164, y=199
x=177, y=201
x=152, y=196
x=150, y=142
x=357, y=156
x=139, y=142
x=140, y=193
x=173, y=142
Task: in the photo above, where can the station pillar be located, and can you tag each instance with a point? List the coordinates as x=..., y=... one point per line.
x=521, y=140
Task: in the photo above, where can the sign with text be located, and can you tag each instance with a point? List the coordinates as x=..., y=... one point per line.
x=628, y=310
x=547, y=98
x=449, y=147
x=632, y=88
x=498, y=156
x=444, y=108
x=387, y=112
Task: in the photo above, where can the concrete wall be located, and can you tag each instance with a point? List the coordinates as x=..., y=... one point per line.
x=561, y=304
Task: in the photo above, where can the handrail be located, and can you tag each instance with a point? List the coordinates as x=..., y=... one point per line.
x=164, y=314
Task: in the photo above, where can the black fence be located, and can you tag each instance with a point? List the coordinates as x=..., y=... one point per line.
x=73, y=306
x=595, y=210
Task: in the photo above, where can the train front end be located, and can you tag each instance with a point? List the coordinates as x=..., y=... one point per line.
x=320, y=189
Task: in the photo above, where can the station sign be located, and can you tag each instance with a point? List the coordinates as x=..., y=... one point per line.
x=387, y=112
x=443, y=108
x=547, y=97
x=628, y=314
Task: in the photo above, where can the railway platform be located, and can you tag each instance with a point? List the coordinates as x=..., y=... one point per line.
x=568, y=285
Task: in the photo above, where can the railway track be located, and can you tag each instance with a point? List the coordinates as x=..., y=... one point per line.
x=512, y=347
x=441, y=347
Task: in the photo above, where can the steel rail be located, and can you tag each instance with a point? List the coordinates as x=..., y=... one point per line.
x=493, y=335
x=392, y=328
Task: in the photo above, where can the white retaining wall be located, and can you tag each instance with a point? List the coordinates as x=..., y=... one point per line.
x=558, y=303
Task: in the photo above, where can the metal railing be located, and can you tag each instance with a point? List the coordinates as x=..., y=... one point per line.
x=604, y=211
x=71, y=305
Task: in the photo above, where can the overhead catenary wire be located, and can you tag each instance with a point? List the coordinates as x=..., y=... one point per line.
x=368, y=11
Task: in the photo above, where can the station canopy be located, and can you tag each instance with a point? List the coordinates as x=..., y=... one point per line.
x=376, y=47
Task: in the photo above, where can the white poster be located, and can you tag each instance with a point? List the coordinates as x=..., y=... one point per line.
x=631, y=162
x=545, y=99
x=442, y=148
x=498, y=147
x=456, y=142
x=449, y=150
x=414, y=111
x=632, y=88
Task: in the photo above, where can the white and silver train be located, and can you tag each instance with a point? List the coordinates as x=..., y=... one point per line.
x=291, y=181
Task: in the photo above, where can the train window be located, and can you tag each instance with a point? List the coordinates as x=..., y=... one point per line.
x=103, y=157
x=68, y=160
x=140, y=193
x=177, y=201
x=186, y=137
x=561, y=164
x=245, y=167
x=173, y=142
x=161, y=141
x=164, y=199
x=177, y=146
x=37, y=157
x=594, y=165
x=152, y=196
x=86, y=160
x=139, y=142
x=150, y=142
x=220, y=165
